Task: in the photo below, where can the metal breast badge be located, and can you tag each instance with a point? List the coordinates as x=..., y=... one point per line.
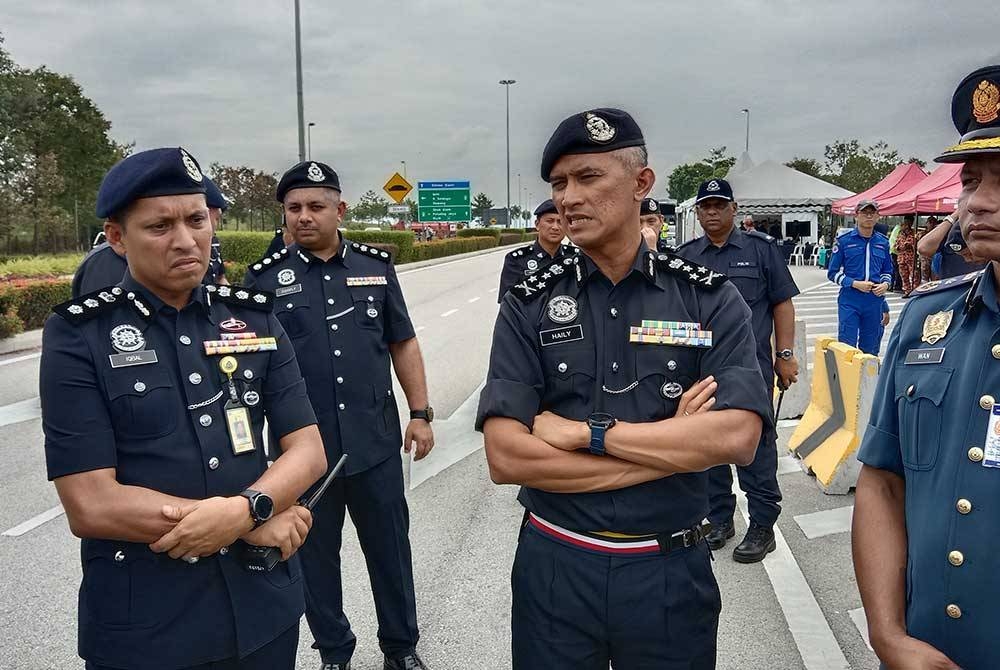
x=936, y=326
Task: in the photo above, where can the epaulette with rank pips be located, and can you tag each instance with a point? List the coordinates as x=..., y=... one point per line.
x=269, y=261
x=521, y=251
x=100, y=301
x=371, y=252
x=944, y=284
x=241, y=296
x=538, y=283
x=682, y=268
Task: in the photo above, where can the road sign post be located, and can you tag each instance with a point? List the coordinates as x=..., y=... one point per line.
x=397, y=188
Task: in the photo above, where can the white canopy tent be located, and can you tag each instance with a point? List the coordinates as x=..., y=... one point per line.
x=774, y=190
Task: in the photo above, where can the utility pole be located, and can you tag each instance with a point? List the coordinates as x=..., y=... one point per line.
x=506, y=83
x=298, y=83
x=747, y=112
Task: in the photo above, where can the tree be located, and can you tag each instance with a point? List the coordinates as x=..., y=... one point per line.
x=251, y=194
x=856, y=168
x=809, y=166
x=480, y=204
x=918, y=161
x=684, y=180
x=370, y=206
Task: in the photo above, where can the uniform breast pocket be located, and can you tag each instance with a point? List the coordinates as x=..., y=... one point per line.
x=918, y=401
x=748, y=281
x=140, y=402
x=368, y=303
x=569, y=372
x=295, y=316
x=663, y=373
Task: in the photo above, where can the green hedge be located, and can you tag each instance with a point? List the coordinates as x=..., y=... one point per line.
x=25, y=304
x=480, y=232
x=243, y=247
x=40, y=266
x=440, y=248
x=401, y=240
x=530, y=237
x=511, y=238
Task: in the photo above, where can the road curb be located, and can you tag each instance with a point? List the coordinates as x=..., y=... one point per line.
x=401, y=269
x=31, y=339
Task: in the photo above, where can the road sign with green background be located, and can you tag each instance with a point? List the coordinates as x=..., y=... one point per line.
x=443, y=201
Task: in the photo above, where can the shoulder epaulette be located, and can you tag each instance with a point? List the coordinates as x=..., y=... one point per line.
x=520, y=251
x=241, y=296
x=696, y=274
x=945, y=284
x=371, y=252
x=845, y=232
x=760, y=235
x=267, y=262
x=542, y=280
x=570, y=249
x=100, y=301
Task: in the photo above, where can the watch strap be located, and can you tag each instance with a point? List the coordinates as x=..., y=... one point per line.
x=597, y=439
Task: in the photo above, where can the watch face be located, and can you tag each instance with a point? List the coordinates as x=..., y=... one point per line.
x=430, y=413
x=263, y=506
x=601, y=420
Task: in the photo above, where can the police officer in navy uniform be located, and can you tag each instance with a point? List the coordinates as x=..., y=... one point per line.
x=153, y=440
x=217, y=205
x=599, y=362
x=547, y=247
x=754, y=263
x=652, y=225
x=925, y=525
x=343, y=309
x=862, y=267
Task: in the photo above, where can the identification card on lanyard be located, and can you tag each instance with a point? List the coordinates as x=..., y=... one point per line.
x=992, y=446
x=237, y=415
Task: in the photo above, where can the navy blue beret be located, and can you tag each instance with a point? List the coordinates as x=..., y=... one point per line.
x=309, y=174
x=214, y=197
x=593, y=132
x=649, y=206
x=714, y=188
x=975, y=111
x=547, y=207
x=148, y=174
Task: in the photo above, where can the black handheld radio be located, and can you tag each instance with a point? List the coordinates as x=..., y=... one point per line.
x=263, y=559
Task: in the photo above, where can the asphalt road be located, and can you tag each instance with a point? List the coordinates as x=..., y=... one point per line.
x=793, y=611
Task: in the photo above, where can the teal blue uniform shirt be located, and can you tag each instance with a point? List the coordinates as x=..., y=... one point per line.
x=929, y=425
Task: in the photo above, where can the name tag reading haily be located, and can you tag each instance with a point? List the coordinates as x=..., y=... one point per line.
x=924, y=356
x=560, y=335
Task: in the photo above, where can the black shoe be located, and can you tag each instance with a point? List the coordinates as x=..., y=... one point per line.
x=756, y=544
x=720, y=532
x=408, y=662
x=335, y=666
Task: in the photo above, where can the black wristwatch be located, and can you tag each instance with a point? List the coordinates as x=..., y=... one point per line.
x=427, y=414
x=261, y=506
x=600, y=423
x=785, y=354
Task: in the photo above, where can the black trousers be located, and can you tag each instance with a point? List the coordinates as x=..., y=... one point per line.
x=378, y=509
x=575, y=610
x=276, y=655
x=759, y=481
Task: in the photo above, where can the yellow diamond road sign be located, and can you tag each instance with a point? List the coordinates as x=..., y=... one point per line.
x=397, y=187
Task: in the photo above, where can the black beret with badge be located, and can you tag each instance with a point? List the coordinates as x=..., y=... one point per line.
x=975, y=111
x=649, y=206
x=308, y=174
x=592, y=132
x=714, y=188
x=213, y=196
x=547, y=207
x=148, y=174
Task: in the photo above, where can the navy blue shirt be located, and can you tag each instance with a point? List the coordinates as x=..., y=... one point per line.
x=525, y=261
x=565, y=348
x=952, y=262
x=341, y=316
x=216, y=268
x=161, y=425
x=754, y=264
x=99, y=268
x=929, y=425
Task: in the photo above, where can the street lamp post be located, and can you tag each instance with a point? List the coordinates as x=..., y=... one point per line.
x=747, y=112
x=403, y=163
x=309, y=140
x=519, y=206
x=298, y=84
x=506, y=83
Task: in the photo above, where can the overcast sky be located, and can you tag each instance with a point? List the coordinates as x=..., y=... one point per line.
x=417, y=81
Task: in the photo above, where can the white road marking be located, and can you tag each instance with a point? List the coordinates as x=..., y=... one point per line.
x=448, y=313
x=474, y=299
x=34, y=522
x=26, y=410
x=788, y=423
x=827, y=522
x=788, y=465
x=419, y=328
x=18, y=359
x=861, y=623
x=812, y=634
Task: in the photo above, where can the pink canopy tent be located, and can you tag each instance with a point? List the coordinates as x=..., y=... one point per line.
x=936, y=194
x=893, y=184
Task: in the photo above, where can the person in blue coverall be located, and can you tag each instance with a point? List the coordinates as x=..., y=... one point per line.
x=862, y=267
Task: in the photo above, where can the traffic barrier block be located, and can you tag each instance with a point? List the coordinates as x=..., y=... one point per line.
x=827, y=438
x=796, y=399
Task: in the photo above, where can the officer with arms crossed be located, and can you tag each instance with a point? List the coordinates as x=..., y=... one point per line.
x=525, y=261
x=925, y=523
x=153, y=439
x=585, y=407
x=754, y=263
x=862, y=267
x=342, y=306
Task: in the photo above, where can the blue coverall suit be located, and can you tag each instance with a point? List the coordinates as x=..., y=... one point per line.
x=857, y=258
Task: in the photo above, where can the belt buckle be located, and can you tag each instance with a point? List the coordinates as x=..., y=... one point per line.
x=689, y=538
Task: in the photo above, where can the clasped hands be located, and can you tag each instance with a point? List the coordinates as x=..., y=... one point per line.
x=203, y=527
x=571, y=435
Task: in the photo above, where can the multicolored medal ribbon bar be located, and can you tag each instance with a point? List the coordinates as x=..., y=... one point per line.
x=679, y=333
